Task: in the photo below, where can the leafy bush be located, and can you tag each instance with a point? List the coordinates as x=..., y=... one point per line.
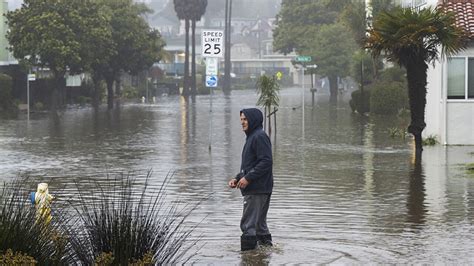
x=387, y=98
x=83, y=100
x=362, y=66
x=38, y=106
x=360, y=101
x=129, y=92
x=397, y=74
x=6, y=100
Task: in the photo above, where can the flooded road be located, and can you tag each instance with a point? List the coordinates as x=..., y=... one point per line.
x=345, y=193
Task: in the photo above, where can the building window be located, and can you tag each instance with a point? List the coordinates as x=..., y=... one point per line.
x=461, y=78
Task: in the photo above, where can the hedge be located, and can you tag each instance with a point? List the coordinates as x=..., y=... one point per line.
x=387, y=98
x=6, y=100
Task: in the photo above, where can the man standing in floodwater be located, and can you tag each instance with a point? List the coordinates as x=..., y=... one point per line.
x=255, y=181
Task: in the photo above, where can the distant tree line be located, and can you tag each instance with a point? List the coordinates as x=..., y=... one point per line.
x=104, y=38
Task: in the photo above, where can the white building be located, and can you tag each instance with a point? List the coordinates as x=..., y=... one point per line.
x=450, y=90
x=4, y=55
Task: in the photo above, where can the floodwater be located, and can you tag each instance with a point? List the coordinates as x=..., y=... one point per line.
x=345, y=192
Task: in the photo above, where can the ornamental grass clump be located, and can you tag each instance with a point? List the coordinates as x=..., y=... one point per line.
x=125, y=221
x=23, y=236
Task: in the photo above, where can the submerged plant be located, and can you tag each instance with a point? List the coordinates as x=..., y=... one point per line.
x=470, y=168
x=126, y=222
x=430, y=140
x=397, y=132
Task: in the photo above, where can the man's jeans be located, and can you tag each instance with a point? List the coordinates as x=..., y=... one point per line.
x=254, y=217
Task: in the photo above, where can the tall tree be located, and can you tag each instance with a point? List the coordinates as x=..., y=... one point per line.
x=331, y=48
x=413, y=39
x=183, y=10
x=199, y=8
x=135, y=45
x=295, y=19
x=355, y=19
x=310, y=28
x=56, y=34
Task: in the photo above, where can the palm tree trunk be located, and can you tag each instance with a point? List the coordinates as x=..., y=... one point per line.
x=193, y=63
x=265, y=118
x=269, y=121
x=275, y=119
x=416, y=77
x=186, y=60
x=333, y=88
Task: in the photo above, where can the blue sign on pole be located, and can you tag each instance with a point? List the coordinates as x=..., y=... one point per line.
x=211, y=81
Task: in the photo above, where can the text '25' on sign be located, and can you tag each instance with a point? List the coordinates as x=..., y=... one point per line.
x=212, y=42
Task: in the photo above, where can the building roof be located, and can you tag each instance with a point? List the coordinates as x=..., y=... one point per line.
x=464, y=10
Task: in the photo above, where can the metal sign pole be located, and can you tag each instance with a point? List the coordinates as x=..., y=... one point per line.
x=28, y=96
x=210, y=118
x=212, y=42
x=302, y=98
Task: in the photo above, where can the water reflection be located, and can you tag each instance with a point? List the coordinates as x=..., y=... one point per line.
x=368, y=158
x=416, y=194
x=261, y=256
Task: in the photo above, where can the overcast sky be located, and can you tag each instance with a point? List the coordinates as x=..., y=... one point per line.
x=14, y=4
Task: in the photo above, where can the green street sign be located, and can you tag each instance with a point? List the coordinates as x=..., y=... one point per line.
x=303, y=58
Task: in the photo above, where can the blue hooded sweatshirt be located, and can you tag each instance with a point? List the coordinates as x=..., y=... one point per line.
x=257, y=162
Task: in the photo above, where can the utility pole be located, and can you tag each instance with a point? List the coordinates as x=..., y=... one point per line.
x=227, y=32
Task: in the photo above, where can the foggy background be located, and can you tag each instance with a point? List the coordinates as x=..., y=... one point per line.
x=241, y=8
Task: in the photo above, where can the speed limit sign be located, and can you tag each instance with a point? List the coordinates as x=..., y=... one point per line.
x=212, y=42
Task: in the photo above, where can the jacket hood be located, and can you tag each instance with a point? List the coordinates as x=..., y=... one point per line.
x=254, y=117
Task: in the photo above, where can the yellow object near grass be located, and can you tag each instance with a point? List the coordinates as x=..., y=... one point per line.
x=43, y=203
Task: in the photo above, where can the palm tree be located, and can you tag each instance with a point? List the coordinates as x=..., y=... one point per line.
x=413, y=39
x=198, y=10
x=267, y=88
x=183, y=11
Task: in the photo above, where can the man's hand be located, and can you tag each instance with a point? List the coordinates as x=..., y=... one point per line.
x=242, y=183
x=233, y=183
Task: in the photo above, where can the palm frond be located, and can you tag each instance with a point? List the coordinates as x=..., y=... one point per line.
x=404, y=34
